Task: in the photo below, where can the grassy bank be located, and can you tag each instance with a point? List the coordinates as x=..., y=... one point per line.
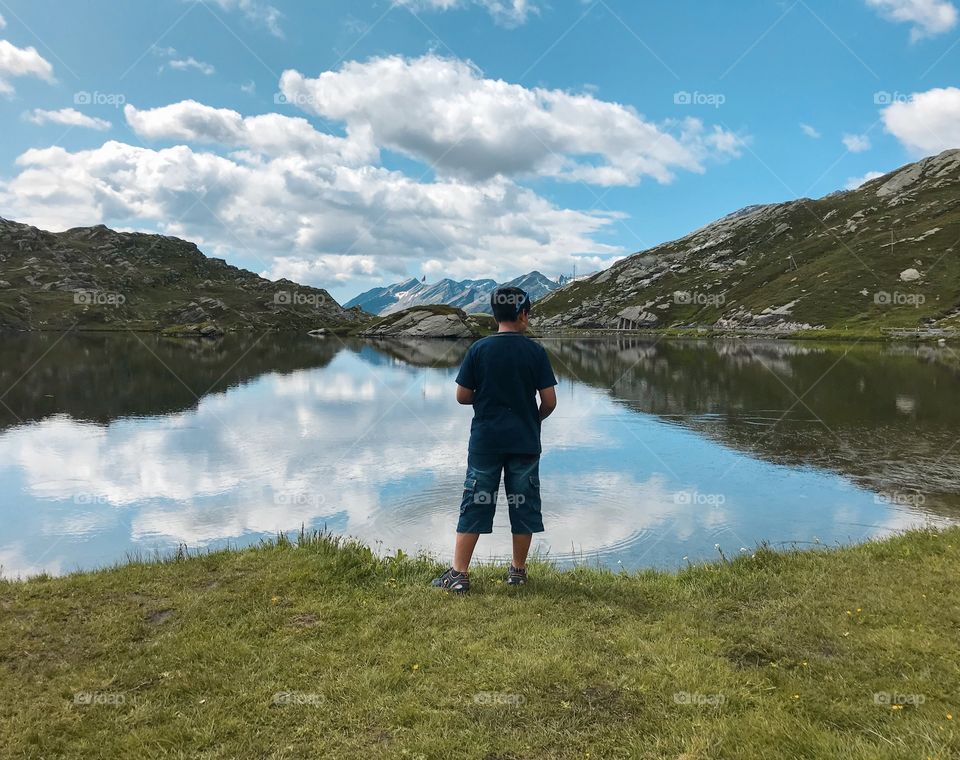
x=322, y=650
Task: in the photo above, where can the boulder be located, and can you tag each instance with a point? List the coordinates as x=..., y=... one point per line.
x=421, y=323
x=635, y=317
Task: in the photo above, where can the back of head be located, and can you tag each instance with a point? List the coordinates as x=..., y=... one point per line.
x=508, y=303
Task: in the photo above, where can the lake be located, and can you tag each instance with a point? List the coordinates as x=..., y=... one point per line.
x=661, y=452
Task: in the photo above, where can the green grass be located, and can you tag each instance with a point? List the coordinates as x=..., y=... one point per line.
x=323, y=650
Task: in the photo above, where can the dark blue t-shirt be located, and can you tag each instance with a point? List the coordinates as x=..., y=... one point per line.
x=505, y=371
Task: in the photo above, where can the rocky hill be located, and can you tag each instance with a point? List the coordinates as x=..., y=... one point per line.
x=96, y=278
x=472, y=296
x=883, y=255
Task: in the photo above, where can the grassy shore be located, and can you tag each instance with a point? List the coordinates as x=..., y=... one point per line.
x=320, y=649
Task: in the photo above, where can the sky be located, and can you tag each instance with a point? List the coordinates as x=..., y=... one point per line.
x=353, y=143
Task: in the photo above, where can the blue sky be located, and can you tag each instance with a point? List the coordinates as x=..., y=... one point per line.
x=350, y=144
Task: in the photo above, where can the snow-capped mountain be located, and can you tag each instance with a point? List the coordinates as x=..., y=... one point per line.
x=473, y=296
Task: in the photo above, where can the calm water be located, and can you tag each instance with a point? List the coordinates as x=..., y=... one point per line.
x=659, y=451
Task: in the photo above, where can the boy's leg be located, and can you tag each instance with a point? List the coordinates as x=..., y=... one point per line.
x=463, y=552
x=521, y=475
x=478, y=505
x=521, y=547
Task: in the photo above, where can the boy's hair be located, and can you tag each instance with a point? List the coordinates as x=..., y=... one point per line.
x=508, y=303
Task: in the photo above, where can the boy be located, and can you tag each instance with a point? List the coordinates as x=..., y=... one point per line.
x=501, y=376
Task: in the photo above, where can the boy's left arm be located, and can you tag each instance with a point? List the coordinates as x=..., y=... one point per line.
x=546, y=386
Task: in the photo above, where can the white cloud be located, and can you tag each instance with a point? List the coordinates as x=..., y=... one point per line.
x=506, y=12
x=810, y=131
x=304, y=215
x=928, y=123
x=249, y=88
x=271, y=134
x=854, y=182
x=256, y=11
x=856, y=143
x=68, y=117
x=21, y=62
x=3, y=22
x=292, y=201
x=928, y=17
x=184, y=64
x=444, y=112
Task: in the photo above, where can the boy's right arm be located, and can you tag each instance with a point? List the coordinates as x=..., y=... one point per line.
x=464, y=395
x=466, y=379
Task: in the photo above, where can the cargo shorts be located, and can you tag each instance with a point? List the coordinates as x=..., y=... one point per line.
x=521, y=480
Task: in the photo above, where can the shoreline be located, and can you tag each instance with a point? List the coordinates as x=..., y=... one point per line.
x=825, y=335
x=903, y=336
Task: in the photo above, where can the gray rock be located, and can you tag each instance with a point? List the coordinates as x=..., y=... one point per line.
x=422, y=323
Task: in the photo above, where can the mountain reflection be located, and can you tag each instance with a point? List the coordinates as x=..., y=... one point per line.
x=886, y=416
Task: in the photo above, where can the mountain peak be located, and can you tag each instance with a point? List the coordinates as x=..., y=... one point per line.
x=473, y=296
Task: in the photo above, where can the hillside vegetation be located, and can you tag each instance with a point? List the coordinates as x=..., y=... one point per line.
x=96, y=278
x=883, y=255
